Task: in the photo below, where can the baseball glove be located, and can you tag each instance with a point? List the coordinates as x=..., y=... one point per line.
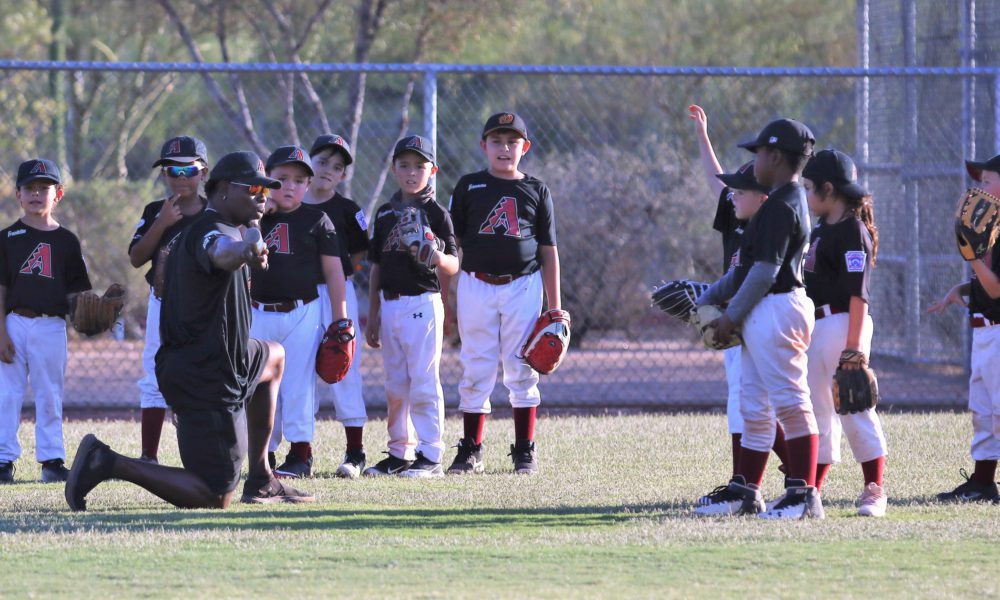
x=678, y=298
x=977, y=223
x=415, y=233
x=854, y=390
x=93, y=314
x=336, y=351
x=703, y=318
x=546, y=346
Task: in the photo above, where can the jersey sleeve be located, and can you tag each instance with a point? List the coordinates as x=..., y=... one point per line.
x=4, y=272
x=444, y=230
x=145, y=222
x=199, y=244
x=773, y=233
x=326, y=237
x=855, y=260
x=545, y=218
x=456, y=210
x=77, y=279
x=357, y=229
x=725, y=214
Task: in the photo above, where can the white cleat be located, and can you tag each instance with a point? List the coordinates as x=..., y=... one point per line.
x=720, y=502
x=801, y=501
x=872, y=502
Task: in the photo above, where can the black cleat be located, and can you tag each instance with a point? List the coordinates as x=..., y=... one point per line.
x=274, y=492
x=92, y=464
x=522, y=452
x=389, y=465
x=469, y=458
x=353, y=465
x=54, y=471
x=7, y=472
x=751, y=502
x=295, y=468
x=971, y=491
x=801, y=501
x=721, y=500
x=423, y=468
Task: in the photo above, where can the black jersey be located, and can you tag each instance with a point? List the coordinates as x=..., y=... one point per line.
x=778, y=234
x=500, y=223
x=295, y=242
x=39, y=268
x=731, y=229
x=979, y=301
x=838, y=264
x=352, y=228
x=149, y=214
x=398, y=272
x=203, y=360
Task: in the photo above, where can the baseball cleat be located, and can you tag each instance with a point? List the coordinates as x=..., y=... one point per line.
x=388, y=466
x=423, y=468
x=54, y=471
x=274, y=492
x=872, y=501
x=353, y=465
x=294, y=467
x=970, y=491
x=7, y=472
x=469, y=458
x=522, y=452
x=721, y=500
x=751, y=502
x=801, y=501
x=92, y=464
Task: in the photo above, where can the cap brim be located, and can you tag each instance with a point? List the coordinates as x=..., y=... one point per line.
x=31, y=178
x=180, y=159
x=975, y=169
x=347, y=154
x=853, y=190
x=293, y=162
x=415, y=151
x=739, y=182
x=752, y=145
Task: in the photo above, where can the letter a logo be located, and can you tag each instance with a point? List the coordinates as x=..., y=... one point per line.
x=504, y=216
x=39, y=263
x=277, y=239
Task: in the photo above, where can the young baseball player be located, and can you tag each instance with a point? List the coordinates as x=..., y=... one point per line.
x=41, y=271
x=221, y=384
x=331, y=155
x=183, y=164
x=767, y=300
x=303, y=250
x=406, y=315
x=505, y=225
x=983, y=292
x=838, y=266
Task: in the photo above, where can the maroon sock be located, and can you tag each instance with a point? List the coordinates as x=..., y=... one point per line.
x=524, y=423
x=986, y=472
x=780, y=447
x=753, y=464
x=821, y=472
x=737, y=437
x=302, y=450
x=802, y=452
x=872, y=470
x=474, y=425
x=354, y=437
x=152, y=427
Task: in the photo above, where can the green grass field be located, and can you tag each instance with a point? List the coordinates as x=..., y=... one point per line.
x=609, y=515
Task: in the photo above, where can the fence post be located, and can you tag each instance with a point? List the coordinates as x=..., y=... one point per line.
x=911, y=189
x=430, y=111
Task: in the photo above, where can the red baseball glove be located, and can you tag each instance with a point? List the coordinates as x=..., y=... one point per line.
x=336, y=351
x=546, y=346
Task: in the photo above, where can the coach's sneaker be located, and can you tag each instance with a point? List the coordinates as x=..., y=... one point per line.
x=872, y=501
x=273, y=492
x=423, y=468
x=801, y=501
x=469, y=458
x=353, y=465
x=92, y=464
x=721, y=501
x=970, y=491
x=294, y=467
x=389, y=465
x=522, y=452
x=6, y=472
x=751, y=501
x=54, y=471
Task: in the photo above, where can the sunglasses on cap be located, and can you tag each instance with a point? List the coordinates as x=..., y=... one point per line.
x=188, y=171
x=255, y=188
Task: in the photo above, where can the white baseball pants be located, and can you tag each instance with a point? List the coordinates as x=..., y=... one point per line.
x=346, y=395
x=984, y=393
x=149, y=388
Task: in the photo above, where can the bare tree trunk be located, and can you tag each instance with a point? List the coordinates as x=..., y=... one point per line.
x=404, y=124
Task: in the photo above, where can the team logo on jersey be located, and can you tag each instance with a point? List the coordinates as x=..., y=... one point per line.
x=392, y=241
x=39, y=263
x=476, y=186
x=279, y=239
x=210, y=238
x=360, y=218
x=296, y=155
x=16, y=232
x=810, y=262
x=503, y=216
x=856, y=260
x=734, y=261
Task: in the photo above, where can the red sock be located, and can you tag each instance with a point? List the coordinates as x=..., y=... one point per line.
x=753, y=464
x=872, y=470
x=524, y=423
x=474, y=425
x=821, y=472
x=152, y=427
x=737, y=437
x=802, y=452
x=986, y=472
x=780, y=447
x=303, y=450
x=354, y=437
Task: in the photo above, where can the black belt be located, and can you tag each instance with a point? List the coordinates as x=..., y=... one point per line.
x=28, y=313
x=281, y=307
x=397, y=295
x=826, y=311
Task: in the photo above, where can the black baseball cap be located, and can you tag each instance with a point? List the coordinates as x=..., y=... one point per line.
x=786, y=134
x=289, y=155
x=332, y=140
x=505, y=120
x=837, y=168
x=242, y=167
x=976, y=169
x=38, y=168
x=742, y=179
x=414, y=143
x=182, y=149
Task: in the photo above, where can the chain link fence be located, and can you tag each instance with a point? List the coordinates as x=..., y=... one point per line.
x=615, y=146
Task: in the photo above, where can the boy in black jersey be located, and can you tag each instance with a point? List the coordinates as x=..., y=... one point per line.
x=221, y=384
x=41, y=272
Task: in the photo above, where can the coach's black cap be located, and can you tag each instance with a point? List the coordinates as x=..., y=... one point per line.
x=289, y=155
x=505, y=120
x=742, y=179
x=332, y=140
x=242, y=167
x=414, y=143
x=38, y=168
x=976, y=169
x=785, y=134
x=837, y=168
x=182, y=149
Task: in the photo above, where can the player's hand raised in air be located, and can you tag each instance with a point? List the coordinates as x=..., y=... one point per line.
x=6, y=348
x=954, y=296
x=171, y=212
x=697, y=114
